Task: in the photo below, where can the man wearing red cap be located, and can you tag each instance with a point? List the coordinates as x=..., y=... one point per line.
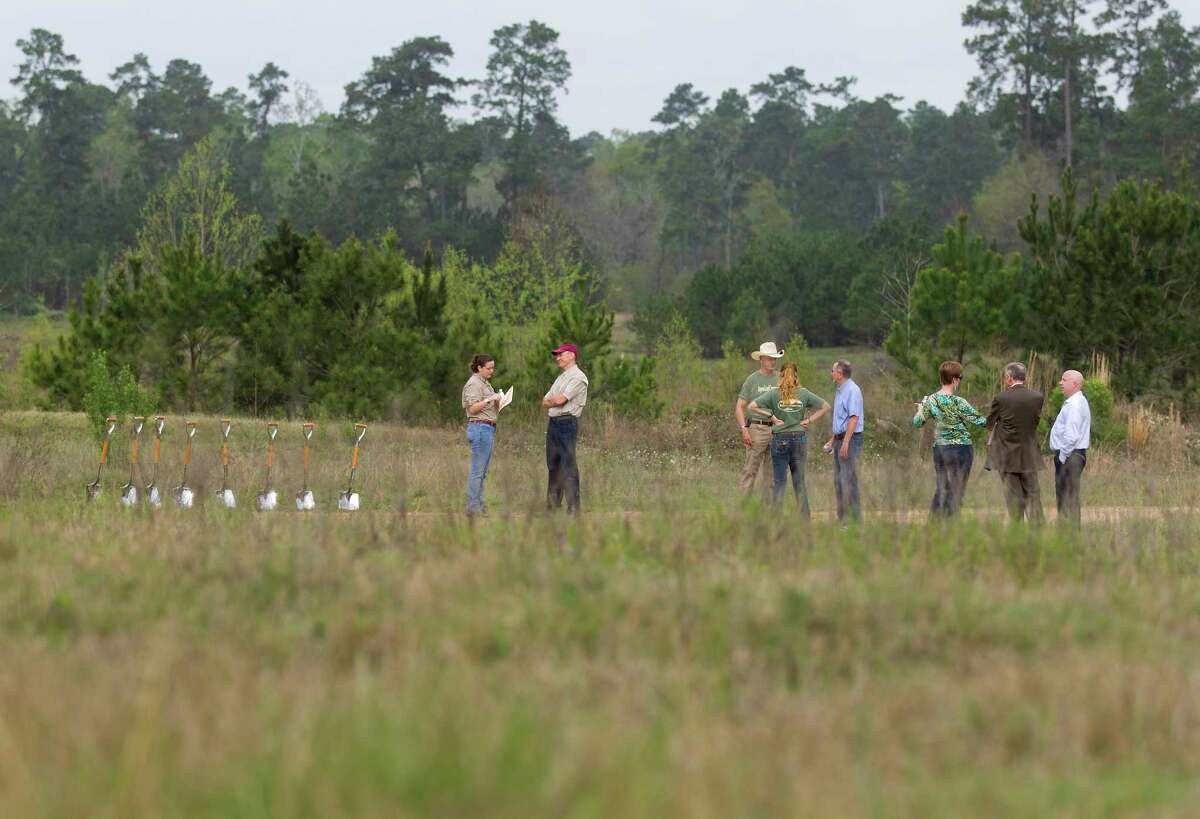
x=564, y=403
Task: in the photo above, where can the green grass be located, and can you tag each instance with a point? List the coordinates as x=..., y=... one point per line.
x=677, y=651
x=17, y=336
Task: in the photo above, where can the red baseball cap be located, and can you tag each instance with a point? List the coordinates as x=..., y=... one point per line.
x=565, y=348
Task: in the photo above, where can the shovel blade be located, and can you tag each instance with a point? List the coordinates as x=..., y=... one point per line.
x=129, y=496
x=185, y=497
x=93, y=491
x=154, y=496
x=305, y=500
x=225, y=498
x=267, y=500
x=348, y=501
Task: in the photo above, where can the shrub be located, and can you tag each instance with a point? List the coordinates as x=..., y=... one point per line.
x=628, y=385
x=120, y=396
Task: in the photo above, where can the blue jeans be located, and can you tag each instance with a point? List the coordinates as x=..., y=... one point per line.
x=561, y=434
x=951, y=470
x=845, y=477
x=789, y=450
x=482, y=438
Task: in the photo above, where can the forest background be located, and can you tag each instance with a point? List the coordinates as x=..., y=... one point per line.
x=247, y=249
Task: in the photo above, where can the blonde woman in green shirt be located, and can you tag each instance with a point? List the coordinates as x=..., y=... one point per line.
x=788, y=407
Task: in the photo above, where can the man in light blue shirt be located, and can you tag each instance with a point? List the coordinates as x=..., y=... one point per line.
x=1069, y=440
x=846, y=443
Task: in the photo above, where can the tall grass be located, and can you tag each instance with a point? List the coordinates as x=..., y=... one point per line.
x=676, y=651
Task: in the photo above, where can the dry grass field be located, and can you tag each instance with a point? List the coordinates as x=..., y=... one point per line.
x=677, y=651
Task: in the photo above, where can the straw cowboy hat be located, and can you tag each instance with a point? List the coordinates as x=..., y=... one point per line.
x=767, y=348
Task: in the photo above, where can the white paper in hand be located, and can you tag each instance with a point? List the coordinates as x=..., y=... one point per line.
x=505, y=398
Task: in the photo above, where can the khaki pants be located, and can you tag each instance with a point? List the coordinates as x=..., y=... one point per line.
x=757, y=455
x=1023, y=495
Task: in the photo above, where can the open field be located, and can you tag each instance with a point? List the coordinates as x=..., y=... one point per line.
x=677, y=651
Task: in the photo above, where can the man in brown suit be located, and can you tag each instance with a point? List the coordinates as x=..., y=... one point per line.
x=1012, y=444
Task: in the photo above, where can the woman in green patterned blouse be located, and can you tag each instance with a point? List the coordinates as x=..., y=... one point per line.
x=953, y=452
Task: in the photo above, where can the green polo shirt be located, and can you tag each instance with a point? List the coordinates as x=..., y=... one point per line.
x=791, y=412
x=756, y=384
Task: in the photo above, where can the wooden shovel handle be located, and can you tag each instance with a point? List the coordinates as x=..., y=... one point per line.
x=104, y=452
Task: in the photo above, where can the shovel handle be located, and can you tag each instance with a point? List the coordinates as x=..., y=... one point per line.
x=306, y=457
x=270, y=454
x=157, y=450
x=104, y=452
x=133, y=453
x=225, y=454
x=354, y=458
x=187, y=449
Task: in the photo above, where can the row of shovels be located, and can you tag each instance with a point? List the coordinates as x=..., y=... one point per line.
x=185, y=497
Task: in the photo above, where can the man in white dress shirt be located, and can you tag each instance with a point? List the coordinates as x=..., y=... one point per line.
x=1069, y=440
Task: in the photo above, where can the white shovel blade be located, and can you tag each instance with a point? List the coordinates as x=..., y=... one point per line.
x=226, y=498
x=129, y=496
x=268, y=500
x=93, y=491
x=305, y=501
x=154, y=497
x=185, y=498
x=348, y=503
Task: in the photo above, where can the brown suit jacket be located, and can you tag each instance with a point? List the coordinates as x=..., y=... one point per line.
x=1013, y=421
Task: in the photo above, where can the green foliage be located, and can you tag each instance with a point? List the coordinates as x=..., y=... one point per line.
x=113, y=394
x=652, y=318
x=680, y=371
x=1118, y=275
x=587, y=326
x=964, y=302
x=627, y=384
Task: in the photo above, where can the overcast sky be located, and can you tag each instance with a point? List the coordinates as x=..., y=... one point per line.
x=627, y=55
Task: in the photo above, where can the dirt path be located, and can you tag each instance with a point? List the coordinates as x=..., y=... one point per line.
x=1099, y=514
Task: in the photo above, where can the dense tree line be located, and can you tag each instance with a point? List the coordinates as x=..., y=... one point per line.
x=791, y=205
x=1108, y=88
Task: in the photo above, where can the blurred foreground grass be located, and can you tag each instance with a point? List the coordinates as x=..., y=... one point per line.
x=678, y=652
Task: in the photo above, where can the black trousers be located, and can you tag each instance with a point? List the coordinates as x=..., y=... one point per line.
x=561, y=435
x=1068, y=482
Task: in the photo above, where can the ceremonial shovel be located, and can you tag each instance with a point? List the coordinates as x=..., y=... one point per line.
x=304, y=498
x=268, y=498
x=152, y=494
x=348, y=500
x=93, y=488
x=184, y=494
x=225, y=494
x=129, y=492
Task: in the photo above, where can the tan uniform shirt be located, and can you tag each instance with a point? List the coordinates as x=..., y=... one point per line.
x=475, y=390
x=572, y=383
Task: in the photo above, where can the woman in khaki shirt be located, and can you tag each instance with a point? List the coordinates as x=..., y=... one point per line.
x=482, y=405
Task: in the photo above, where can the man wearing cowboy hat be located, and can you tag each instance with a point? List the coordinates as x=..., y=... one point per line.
x=756, y=432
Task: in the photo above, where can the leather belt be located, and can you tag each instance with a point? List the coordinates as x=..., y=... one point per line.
x=481, y=421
